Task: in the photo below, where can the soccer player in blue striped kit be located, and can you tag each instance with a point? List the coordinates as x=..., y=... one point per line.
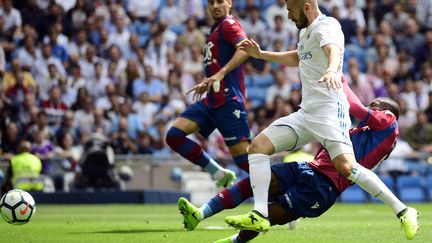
x=224, y=106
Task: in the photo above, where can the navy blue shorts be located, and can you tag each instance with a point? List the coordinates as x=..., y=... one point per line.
x=304, y=192
x=230, y=119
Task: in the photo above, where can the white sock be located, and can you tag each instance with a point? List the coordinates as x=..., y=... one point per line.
x=370, y=182
x=260, y=175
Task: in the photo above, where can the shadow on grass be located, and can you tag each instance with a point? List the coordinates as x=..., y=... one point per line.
x=132, y=231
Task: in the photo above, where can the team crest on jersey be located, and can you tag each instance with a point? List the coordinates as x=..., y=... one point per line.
x=231, y=21
x=237, y=113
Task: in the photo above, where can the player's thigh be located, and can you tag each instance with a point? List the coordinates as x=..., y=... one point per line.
x=344, y=163
x=278, y=214
x=231, y=121
x=332, y=131
x=239, y=148
x=287, y=133
x=195, y=118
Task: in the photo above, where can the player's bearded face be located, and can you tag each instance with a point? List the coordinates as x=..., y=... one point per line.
x=302, y=21
x=219, y=8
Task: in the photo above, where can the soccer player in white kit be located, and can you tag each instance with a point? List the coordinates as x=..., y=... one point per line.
x=324, y=113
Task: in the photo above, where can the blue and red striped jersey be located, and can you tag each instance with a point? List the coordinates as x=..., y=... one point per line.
x=218, y=50
x=373, y=140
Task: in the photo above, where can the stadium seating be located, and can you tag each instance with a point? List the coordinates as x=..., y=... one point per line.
x=410, y=189
x=354, y=194
x=429, y=187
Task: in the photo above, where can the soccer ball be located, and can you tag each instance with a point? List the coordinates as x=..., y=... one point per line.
x=17, y=207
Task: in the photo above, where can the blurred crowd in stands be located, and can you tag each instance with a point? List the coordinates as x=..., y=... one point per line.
x=70, y=68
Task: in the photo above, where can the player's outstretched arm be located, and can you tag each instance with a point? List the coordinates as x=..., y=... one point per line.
x=288, y=58
x=239, y=57
x=357, y=109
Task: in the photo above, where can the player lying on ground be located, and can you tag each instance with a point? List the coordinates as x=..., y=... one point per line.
x=302, y=189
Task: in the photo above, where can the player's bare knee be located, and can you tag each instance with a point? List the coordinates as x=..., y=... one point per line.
x=261, y=145
x=343, y=164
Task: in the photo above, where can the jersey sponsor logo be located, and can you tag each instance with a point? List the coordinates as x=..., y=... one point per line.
x=208, y=56
x=230, y=138
x=315, y=206
x=304, y=55
x=237, y=113
x=288, y=200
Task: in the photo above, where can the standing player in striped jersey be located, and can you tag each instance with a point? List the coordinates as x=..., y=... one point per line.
x=323, y=115
x=224, y=106
x=301, y=189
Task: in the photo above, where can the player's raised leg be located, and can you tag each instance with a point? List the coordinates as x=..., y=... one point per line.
x=370, y=182
x=177, y=139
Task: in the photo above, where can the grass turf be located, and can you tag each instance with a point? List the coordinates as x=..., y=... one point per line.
x=148, y=223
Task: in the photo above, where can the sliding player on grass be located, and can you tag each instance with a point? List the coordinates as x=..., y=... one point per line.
x=301, y=189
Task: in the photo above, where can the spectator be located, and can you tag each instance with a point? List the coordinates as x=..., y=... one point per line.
x=77, y=48
x=145, y=144
x=397, y=18
x=192, y=36
x=100, y=123
x=88, y=61
x=12, y=19
x=145, y=109
x=280, y=88
x=410, y=40
x=41, y=72
x=253, y=25
x=44, y=149
x=17, y=83
x=10, y=140
x=54, y=107
x=120, y=36
x=192, y=8
x=127, y=121
x=67, y=126
x=28, y=54
x=279, y=33
x=144, y=11
x=419, y=136
x=153, y=86
x=68, y=151
x=97, y=85
x=84, y=117
x=359, y=83
x=172, y=13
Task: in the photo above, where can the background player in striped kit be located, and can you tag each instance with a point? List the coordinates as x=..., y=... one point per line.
x=224, y=106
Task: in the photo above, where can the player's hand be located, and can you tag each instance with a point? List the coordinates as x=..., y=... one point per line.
x=251, y=47
x=199, y=90
x=206, y=85
x=332, y=80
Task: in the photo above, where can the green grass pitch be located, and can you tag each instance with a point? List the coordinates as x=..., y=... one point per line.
x=146, y=223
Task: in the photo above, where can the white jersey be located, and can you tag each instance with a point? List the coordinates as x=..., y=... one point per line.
x=314, y=63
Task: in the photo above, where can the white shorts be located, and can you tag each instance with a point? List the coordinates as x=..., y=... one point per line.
x=330, y=129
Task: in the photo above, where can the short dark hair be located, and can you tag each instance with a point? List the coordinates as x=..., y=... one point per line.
x=385, y=103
